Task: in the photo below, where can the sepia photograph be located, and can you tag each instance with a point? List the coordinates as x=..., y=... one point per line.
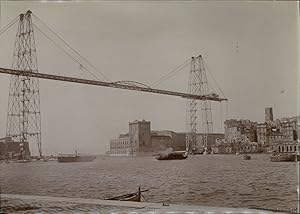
x=149, y=107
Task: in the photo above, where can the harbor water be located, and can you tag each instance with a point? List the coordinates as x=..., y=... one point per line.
x=206, y=180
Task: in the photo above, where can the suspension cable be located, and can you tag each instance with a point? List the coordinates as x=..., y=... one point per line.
x=76, y=52
x=4, y=29
x=171, y=73
x=210, y=73
x=221, y=116
x=226, y=110
x=64, y=51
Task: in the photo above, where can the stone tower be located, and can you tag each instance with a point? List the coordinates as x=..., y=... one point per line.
x=140, y=135
x=268, y=115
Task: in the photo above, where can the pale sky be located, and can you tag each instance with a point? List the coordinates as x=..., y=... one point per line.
x=249, y=47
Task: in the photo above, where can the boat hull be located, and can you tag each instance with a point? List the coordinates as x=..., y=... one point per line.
x=172, y=156
x=130, y=197
x=68, y=159
x=246, y=157
x=283, y=158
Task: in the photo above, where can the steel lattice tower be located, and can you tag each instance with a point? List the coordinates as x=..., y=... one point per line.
x=24, y=116
x=198, y=85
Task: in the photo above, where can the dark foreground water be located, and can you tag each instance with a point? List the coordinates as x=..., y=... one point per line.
x=211, y=180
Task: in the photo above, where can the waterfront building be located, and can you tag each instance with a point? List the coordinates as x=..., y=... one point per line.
x=278, y=135
x=273, y=135
x=261, y=131
x=10, y=149
x=240, y=131
x=236, y=147
x=161, y=140
x=285, y=147
x=177, y=140
x=140, y=140
x=140, y=135
x=136, y=141
x=121, y=146
x=283, y=137
x=289, y=128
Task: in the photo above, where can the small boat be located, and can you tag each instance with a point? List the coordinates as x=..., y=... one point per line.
x=246, y=157
x=66, y=158
x=130, y=197
x=283, y=157
x=179, y=155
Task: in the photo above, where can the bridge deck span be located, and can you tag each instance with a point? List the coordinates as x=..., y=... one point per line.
x=108, y=84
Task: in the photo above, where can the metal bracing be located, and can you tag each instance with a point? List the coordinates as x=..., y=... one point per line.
x=198, y=85
x=194, y=88
x=23, y=116
x=205, y=104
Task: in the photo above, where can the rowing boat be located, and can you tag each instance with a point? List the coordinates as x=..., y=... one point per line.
x=136, y=196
